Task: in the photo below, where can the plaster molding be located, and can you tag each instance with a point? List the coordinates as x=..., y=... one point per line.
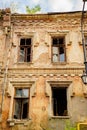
x=49, y=83
x=69, y=43
x=24, y=34
x=31, y=84
x=21, y=83
x=36, y=44
x=17, y=76
x=58, y=32
x=46, y=43
x=35, y=72
x=80, y=43
x=37, y=39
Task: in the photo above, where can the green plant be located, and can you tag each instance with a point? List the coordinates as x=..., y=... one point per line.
x=69, y=126
x=33, y=10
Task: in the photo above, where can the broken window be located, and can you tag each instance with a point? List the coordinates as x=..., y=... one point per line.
x=58, y=50
x=21, y=103
x=25, y=50
x=59, y=101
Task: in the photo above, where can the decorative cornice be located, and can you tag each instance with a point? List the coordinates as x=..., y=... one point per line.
x=51, y=72
x=48, y=16
x=22, y=83
x=54, y=83
x=56, y=68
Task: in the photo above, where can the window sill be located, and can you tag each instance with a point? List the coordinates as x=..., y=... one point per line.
x=21, y=64
x=25, y=63
x=13, y=122
x=59, y=63
x=60, y=117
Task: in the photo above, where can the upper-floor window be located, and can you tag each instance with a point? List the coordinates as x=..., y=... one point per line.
x=25, y=50
x=21, y=103
x=58, y=49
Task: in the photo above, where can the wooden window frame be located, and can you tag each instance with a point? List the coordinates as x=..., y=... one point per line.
x=25, y=50
x=20, y=83
x=21, y=98
x=58, y=37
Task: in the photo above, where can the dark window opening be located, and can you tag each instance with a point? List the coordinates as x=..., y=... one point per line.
x=58, y=50
x=86, y=47
x=21, y=103
x=25, y=50
x=59, y=98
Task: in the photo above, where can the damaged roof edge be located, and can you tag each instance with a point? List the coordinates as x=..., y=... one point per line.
x=51, y=13
x=65, y=12
x=7, y=10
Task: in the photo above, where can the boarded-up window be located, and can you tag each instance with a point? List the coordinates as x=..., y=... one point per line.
x=58, y=49
x=21, y=103
x=25, y=50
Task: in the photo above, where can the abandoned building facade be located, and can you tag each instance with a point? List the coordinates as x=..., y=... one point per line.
x=41, y=64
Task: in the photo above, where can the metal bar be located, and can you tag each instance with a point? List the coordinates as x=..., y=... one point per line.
x=83, y=40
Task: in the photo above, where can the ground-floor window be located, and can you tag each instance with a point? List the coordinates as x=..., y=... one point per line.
x=59, y=101
x=21, y=103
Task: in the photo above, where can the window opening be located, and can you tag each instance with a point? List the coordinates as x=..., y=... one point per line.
x=58, y=50
x=21, y=103
x=59, y=98
x=25, y=50
x=86, y=47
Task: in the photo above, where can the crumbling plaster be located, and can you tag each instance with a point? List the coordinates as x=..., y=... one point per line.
x=42, y=72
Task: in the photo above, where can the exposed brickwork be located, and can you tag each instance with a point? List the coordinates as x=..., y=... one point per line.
x=41, y=73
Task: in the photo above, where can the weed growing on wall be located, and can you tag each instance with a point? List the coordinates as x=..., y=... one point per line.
x=69, y=126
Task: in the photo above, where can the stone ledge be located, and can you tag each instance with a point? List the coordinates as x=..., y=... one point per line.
x=13, y=122
x=60, y=117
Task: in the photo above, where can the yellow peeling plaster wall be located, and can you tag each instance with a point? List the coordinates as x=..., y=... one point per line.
x=41, y=73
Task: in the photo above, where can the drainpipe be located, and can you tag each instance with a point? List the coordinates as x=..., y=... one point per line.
x=84, y=76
